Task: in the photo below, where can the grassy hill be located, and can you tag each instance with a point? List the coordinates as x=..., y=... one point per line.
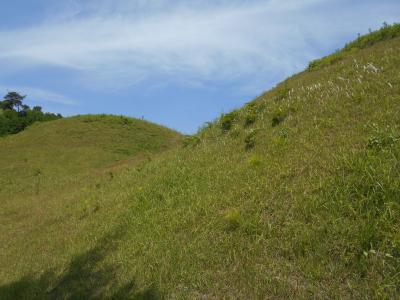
x=295, y=195
x=53, y=166
x=77, y=146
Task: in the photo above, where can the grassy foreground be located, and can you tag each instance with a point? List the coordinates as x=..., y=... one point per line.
x=294, y=196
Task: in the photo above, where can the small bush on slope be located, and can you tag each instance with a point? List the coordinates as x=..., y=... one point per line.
x=227, y=120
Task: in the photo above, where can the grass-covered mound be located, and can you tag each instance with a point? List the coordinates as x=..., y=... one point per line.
x=66, y=149
x=53, y=166
x=296, y=195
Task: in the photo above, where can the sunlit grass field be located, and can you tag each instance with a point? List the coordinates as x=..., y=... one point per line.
x=294, y=196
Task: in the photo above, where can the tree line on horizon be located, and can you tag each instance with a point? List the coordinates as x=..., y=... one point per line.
x=15, y=115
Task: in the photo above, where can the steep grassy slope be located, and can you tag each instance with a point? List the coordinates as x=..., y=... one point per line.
x=296, y=195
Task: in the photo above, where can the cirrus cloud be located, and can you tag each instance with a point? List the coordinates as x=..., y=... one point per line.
x=125, y=42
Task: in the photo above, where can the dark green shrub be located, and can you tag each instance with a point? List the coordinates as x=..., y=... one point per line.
x=281, y=113
x=227, y=120
x=250, y=119
x=250, y=139
x=125, y=120
x=191, y=141
x=278, y=119
x=312, y=65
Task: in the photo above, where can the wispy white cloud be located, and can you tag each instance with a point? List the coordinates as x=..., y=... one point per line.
x=123, y=42
x=40, y=96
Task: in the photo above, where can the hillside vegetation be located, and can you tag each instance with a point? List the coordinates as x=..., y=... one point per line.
x=15, y=116
x=52, y=167
x=294, y=196
x=66, y=149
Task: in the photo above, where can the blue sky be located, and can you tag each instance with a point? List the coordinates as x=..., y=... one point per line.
x=174, y=62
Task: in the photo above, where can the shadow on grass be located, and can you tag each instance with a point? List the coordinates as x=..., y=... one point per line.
x=85, y=278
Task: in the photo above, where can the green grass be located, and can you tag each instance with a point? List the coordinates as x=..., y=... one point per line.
x=78, y=146
x=294, y=196
x=47, y=177
x=387, y=32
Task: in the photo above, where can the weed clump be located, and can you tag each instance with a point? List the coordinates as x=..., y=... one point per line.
x=382, y=139
x=278, y=119
x=253, y=110
x=232, y=219
x=255, y=161
x=125, y=121
x=326, y=61
x=380, y=142
x=37, y=175
x=280, y=115
x=250, y=139
x=191, y=141
x=284, y=133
